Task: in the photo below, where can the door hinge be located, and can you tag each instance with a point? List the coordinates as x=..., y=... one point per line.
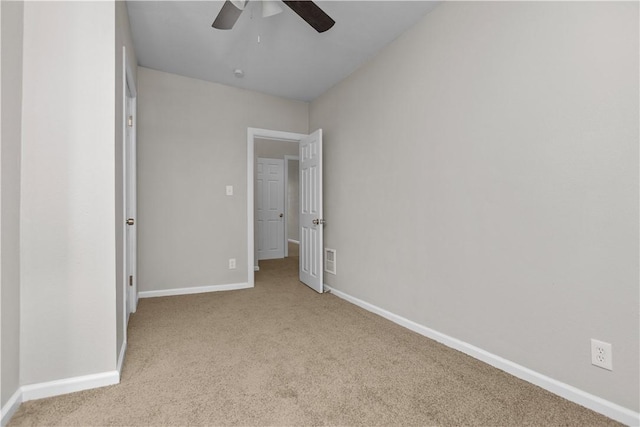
x=130, y=280
x=130, y=121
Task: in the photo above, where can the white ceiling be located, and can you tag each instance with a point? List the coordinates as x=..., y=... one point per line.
x=292, y=60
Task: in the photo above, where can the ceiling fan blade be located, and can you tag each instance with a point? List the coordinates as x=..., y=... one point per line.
x=227, y=17
x=310, y=12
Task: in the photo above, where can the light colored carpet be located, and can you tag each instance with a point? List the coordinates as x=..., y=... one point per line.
x=281, y=354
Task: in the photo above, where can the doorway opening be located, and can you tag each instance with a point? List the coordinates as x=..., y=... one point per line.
x=254, y=134
x=311, y=223
x=276, y=201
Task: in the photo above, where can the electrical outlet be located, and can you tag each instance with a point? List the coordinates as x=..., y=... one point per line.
x=232, y=263
x=601, y=354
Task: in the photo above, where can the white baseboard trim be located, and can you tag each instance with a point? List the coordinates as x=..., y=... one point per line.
x=10, y=407
x=297, y=242
x=69, y=385
x=571, y=393
x=56, y=388
x=123, y=350
x=193, y=290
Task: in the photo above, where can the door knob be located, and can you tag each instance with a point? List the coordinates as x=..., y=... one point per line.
x=318, y=221
x=130, y=221
x=281, y=215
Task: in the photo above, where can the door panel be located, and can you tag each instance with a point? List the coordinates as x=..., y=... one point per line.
x=270, y=208
x=130, y=198
x=311, y=222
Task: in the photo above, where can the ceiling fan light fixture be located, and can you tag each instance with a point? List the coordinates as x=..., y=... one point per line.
x=240, y=4
x=270, y=8
x=305, y=9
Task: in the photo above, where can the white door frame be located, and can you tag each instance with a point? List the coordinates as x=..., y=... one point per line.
x=252, y=134
x=133, y=210
x=286, y=201
x=130, y=296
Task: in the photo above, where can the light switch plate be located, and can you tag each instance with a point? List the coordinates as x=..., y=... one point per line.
x=229, y=190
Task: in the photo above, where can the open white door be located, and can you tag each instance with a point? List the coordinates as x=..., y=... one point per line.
x=311, y=222
x=130, y=203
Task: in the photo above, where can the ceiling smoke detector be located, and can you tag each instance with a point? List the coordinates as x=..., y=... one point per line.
x=238, y=73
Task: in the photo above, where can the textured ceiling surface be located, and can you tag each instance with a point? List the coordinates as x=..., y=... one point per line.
x=280, y=55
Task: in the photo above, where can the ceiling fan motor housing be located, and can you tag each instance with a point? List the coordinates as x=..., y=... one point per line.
x=307, y=10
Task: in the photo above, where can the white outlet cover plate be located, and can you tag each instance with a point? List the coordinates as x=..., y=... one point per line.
x=601, y=354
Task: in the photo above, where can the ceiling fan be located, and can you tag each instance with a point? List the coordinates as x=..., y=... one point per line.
x=306, y=9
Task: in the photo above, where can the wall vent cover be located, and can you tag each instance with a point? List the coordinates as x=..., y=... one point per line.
x=330, y=260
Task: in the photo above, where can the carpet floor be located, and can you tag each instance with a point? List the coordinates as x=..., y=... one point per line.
x=281, y=354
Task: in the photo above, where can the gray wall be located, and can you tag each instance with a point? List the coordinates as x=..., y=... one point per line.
x=482, y=180
x=192, y=142
x=123, y=38
x=11, y=121
x=271, y=149
x=293, y=201
x=67, y=233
